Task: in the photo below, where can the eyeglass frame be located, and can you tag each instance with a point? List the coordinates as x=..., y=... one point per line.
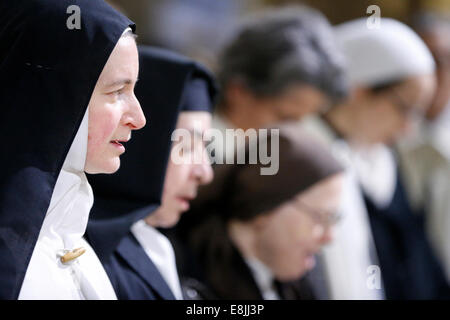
x=332, y=218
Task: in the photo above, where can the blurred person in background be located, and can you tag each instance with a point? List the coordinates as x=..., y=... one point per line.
x=279, y=64
x=425, y=156
x=144, y=196
x=261, y=235
x=393, y=82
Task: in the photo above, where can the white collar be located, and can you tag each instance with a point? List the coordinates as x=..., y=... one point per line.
x=375, y=167
x=263, y=277
x=160, y=251
x=63, y=229
x=67, y=215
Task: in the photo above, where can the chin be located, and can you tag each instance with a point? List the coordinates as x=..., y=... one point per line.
x=295, y=272
x=107, y=167
x=112, y=166
x=290, y=276
x=171, y=221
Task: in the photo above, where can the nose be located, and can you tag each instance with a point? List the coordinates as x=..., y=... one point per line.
x=136, y=119
x=323, y=234
x=203, y=172
x=407, y=125
x=328, y=235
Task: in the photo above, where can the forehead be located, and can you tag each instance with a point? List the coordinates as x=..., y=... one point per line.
x=322, y=191
x=123, y=63
x=198, y=120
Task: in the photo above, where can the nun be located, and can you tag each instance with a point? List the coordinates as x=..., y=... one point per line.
x=177, y=93
x=393, y=82
x=262, y=232
x=68, y=102
x=425, y=156
x=279, y=64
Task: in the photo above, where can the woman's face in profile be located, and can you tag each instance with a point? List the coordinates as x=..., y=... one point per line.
x=184, y=175
x=392, y=113
x=290, y=236
x=114, y=110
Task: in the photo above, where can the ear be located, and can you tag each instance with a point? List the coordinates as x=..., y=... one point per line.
x=262, y=220
x=237, y=92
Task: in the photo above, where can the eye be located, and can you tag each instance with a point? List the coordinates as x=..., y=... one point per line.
x=116, y=92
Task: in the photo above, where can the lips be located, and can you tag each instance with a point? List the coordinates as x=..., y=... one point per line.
x=187, y=198
x=184, y=201
x=119, y=143
x=310, y=261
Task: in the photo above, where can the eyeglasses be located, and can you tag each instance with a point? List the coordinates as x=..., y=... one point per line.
x=407, y=110
x=322, y=217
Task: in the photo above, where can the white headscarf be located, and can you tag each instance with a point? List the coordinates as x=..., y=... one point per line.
x=375, y=56
x=62, y=231
x=393, y=51
x=63, y=228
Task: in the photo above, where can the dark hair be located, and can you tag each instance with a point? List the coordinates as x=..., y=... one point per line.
x=277, y=48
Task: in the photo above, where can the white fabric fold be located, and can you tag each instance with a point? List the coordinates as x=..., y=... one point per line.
x=425, y=164
x=376, y=170
x=62, y=230
x=159, y=249
x=391, y=52
x=264, y=279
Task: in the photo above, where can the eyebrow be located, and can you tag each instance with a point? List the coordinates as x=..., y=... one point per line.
x=121, y=82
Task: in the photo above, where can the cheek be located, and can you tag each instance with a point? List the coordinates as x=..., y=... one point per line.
x=289, y=232
x=393, y=123
x=103, y=121
x=381, y=121
x=176, y=178
x=299, y=232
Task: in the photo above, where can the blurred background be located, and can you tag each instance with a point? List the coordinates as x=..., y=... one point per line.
x=198, y=28
x=414, y=198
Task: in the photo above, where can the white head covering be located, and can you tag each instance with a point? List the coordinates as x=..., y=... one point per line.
x=375, y=56
x=389, y=52
x=63, y=228
x=62, y=231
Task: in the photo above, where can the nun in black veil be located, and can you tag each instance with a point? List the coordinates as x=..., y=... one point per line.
x=139, y=260
x=67, y=100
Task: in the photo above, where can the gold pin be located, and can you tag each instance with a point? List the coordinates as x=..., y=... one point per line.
x=71, y=255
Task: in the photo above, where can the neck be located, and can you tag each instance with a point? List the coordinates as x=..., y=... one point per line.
x=152, y=220
x=243, y=238
x=341, y=119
